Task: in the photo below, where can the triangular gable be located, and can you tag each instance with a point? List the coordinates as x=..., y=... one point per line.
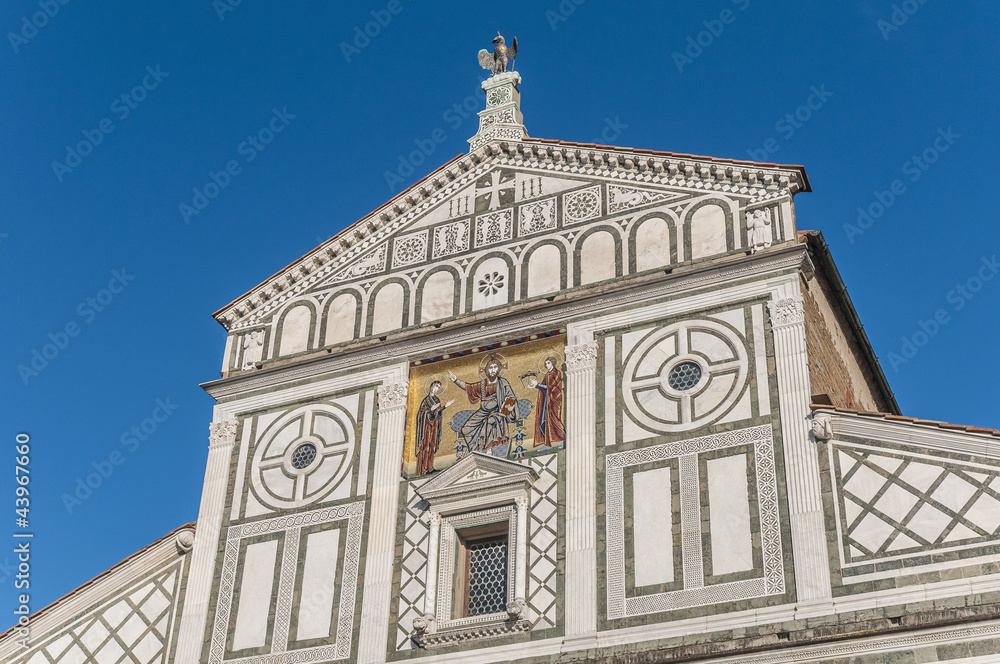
x=529, y=173
x=477, y=474
x=137, y=601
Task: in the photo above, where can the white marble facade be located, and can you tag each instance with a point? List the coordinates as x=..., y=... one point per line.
x=696, y=492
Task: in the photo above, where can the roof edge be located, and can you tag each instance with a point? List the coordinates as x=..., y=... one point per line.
x=889, y=417
x=792, y=177
x=824, y=261
x=102, y=575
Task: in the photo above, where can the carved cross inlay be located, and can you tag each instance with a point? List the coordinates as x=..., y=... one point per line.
x=495, y=189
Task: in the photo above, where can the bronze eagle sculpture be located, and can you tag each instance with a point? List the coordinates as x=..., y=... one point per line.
x=496, y=62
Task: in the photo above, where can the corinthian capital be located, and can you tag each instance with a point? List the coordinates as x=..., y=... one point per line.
x=581, y=356
x=392, y=396
x=788, y=311
x=222, y=433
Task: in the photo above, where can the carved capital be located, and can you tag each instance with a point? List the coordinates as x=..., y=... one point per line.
x=582, y=356
x=820, y=427
x=184, y=542
x=434, y=519
x=223, y=433
x=522, y=503
x=392, y=396
x=789, y=311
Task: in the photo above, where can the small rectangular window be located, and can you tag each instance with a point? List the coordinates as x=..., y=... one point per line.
x=481, y=574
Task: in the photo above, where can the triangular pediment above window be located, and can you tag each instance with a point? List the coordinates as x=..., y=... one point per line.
x=475, y=476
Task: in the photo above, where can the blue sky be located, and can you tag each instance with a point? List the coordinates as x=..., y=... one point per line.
x=96, y=251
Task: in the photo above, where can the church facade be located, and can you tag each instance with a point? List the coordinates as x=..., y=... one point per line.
x=560, y=402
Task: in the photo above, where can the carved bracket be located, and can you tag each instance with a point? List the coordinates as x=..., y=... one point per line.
x=184, y=541
x=820, y=427
x=431, y=640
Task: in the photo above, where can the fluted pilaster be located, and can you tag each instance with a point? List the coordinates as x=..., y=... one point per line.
x=805, y=500
x=222, y=436
x=382, y=524
x=581, y=515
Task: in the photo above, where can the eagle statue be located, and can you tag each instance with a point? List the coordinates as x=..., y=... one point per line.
x=496, y=61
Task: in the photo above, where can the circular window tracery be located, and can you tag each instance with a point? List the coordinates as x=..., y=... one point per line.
x=684, y=376
x=303, y=456
x=491, y=284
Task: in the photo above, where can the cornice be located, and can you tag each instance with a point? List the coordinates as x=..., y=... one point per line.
x=758, y=181
x=910, y=433
x=502, y=475
x=472, y=330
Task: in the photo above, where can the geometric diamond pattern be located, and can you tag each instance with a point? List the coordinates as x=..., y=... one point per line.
x=132, y=628
x=542, y=537
x=895, y=504
x=413, y=567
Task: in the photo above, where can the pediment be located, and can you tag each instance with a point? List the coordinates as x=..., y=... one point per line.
x=475, y=475
x=497, y=195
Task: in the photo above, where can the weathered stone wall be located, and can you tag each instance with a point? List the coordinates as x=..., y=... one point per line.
x=836, y=363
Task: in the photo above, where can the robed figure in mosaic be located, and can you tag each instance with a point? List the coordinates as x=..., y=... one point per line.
x=430, y=417
x=549, y=429
x=488, y=427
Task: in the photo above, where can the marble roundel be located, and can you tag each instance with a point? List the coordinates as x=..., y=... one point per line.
x=684, y=376
x=303, y=455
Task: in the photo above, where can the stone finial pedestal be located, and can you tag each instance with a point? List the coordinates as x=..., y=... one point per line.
x=501, y=120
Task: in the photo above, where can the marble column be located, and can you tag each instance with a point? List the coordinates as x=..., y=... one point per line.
x=521, y=552
x=805, y=499
x=373, y=640
x=433, y=546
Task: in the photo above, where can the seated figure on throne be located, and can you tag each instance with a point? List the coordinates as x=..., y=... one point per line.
x=487, y=429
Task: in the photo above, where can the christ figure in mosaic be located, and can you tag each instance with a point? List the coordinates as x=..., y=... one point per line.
x=430, y=417
x=549, y=429
x=488, y=426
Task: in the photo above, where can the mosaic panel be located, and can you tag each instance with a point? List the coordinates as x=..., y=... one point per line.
x=507, y=402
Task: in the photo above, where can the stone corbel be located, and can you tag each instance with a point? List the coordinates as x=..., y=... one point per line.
x=820, y=427
x=184, y=541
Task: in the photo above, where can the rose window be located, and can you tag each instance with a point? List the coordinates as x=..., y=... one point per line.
x=491, y=284
x=303, y=456
x=683, y=376
x=582, y=205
